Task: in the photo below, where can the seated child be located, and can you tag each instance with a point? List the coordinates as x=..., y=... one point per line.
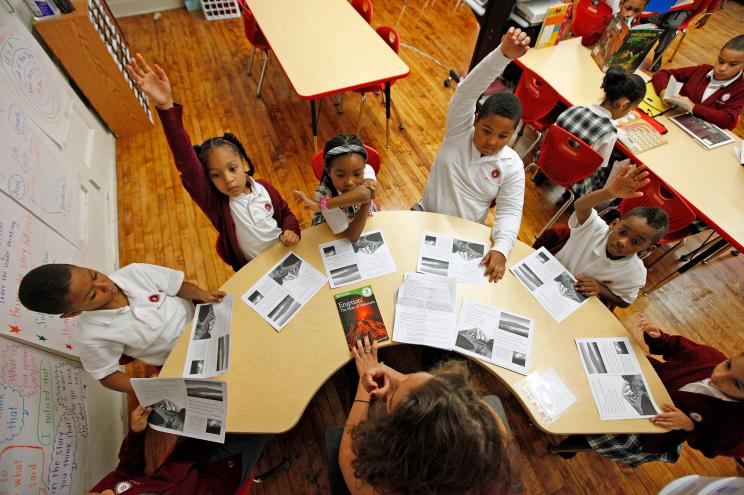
x=594, y=125
x=708, y=392
x=249, y=214
x=474, y=166
x=604, y=258
x=348, y=182
x=715, y=92
x=628, y=10
x=140, y=312
x=194, y=466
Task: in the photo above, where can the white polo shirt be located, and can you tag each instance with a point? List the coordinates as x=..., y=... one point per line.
x=585, y=253
x=463, y=183
x=714, y=84
x=147, y=329
x=253, y=215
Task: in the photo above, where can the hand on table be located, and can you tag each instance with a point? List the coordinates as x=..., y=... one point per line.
x=289, y=238
x=495, y=265
x=588, y=286
x=309, y=203
x=154, y=83
x=210, y=296
x=514, y=43
x=673, y=419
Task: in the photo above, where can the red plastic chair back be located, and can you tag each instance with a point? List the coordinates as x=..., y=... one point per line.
x=656, y=194
x=538, y=98
x=373, y=159
x=252, y=32
x=364, y=7
x=566, y=159
x=587, y=17
x=391, y=37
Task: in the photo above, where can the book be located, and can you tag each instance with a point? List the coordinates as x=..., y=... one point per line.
x=637, y=134
x=624, y=47
x=360, y=315
x=706, y=134
x=671, y=95
x=555, y=22
x=652, y=104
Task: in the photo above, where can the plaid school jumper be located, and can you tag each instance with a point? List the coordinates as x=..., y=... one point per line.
x=589, y=127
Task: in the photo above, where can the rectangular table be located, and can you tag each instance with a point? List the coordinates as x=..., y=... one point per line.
x=325, y=47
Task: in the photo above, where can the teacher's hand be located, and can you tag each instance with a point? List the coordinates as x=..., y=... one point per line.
x=365, y=355
x=495, y=265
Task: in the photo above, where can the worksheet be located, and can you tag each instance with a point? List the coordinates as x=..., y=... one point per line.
x=425, y=311
x=209, y=343
x=347, y=262
x=447, y=256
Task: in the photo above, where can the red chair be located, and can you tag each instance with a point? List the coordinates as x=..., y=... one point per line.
x=588, y=15
x=538, y=99
x=565, y=160
x=390, y=35
x=256, y=38
x=364, y=7
x=373, y=158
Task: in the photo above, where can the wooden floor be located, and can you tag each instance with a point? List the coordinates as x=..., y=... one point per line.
x=158, y=223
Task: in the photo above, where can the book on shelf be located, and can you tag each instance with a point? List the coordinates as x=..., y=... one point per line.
x=554, y=24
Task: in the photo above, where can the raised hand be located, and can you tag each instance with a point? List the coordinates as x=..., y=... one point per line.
x=629, y=182
x=648, y=328
x=514, y=43
x=152, y=81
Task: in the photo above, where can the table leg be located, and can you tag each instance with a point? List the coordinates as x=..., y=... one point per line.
x=314, y=121
x=387, y=114
x=715, y=247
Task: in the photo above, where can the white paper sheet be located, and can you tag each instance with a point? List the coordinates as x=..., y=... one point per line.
x=209, y=343
x=550, y=282
x=280, y=294
x=619, y=388
x=444, y=255
x=348, y=262
x=425, y=311
x=547, y=393
x=191, y=408
x=336, y=219
x=495, y=335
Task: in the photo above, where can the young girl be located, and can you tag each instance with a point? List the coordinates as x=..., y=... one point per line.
x=250, y=215
x=715, y=92
x=708, y=390
x=348, y=183
x=627, y=10
x=594, y=126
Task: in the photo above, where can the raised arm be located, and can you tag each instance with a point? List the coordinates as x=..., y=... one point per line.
x=626, y=184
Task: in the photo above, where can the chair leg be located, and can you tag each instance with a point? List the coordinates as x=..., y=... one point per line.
x=676, y=49
x=250, y=61
x=533, y=145
x=263, y=72
x=559, y=212
x=667, y=253
x=281, y=467
x=361, y=109
x=708, y=240
x=724, y=248
x=338, y=102
x=397, y=115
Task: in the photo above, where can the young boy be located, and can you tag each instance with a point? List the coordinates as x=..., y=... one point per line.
x=474, y=166
x=603, y=258
x=715, y=92
x=140, y=312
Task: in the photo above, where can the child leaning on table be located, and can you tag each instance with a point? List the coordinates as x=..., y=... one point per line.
x=474, y=166
x=708, y=392
x=715, y=92
x=139, y=311
x=348, y=182
x=604, y=258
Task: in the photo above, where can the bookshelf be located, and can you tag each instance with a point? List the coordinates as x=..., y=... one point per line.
x=92, y=49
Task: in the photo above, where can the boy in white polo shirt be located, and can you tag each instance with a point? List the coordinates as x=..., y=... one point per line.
x=474, y=166
x=602, y=257
x=140, y=311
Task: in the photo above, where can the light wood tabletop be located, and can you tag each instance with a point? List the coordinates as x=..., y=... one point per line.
x=274, y=375
x=325, y=46
x=711, y=181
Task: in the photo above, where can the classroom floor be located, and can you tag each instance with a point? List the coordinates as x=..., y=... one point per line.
x=158, y=223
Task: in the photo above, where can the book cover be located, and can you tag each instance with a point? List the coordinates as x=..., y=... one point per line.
x=634, y=48
x=360, y=315
x=652, y=104
x=637, y=134
x=610, y=42
x=706, y=134
x=553, y=25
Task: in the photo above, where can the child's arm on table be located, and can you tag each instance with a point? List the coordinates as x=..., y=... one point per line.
x=360, y=195
x=192, y=292
x=509, y=202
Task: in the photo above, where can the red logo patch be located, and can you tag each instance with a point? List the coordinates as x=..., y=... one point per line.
x=267, y=206
x=495, y=174
x=154, y=298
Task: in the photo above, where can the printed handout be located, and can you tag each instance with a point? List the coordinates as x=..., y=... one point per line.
x=188, y=407
x=619, y=388
x=447, y=256
x=209, y=344
x=425, y=311
x=347, y=262
x=284, y=290
x=550, y=283
x=494, y=335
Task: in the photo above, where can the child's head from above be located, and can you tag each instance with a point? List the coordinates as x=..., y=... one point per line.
x=495, y=122
x=730, y=61
x=66, y=290
x=226, y=163
x=728, y=377
x=623, y=91
x=434, y=435
x=344, y=157
x=636, y=231
x=632, y=8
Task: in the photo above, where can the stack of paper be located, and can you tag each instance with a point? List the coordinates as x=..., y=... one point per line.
x=425, y=311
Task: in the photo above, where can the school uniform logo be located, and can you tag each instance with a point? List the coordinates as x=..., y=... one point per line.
x=154, y=298
x=267, y=206
x=495, y=174
x=696, y=417
x=122, y=487
x=725, y=97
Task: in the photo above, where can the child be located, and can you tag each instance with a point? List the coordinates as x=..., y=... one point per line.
x=140, y=312
x=348, y=182
x=250, y=215
x=708, y=392
x=627, y=10
x=603, y=258
x=474, y=166
x=716, y=93
x=593, y=125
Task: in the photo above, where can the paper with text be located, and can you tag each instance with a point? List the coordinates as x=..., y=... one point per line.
x=209, y=343
x=447, y=256
x=425, y=311
x=348, y=262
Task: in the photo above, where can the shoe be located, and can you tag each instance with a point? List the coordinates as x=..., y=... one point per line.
x=418, y=206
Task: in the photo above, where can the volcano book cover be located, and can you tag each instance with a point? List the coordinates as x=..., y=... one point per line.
x=360, y=315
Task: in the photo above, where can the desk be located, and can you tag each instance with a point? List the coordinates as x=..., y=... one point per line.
x=274, y=375
x=325, y=48
x=715, y=195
